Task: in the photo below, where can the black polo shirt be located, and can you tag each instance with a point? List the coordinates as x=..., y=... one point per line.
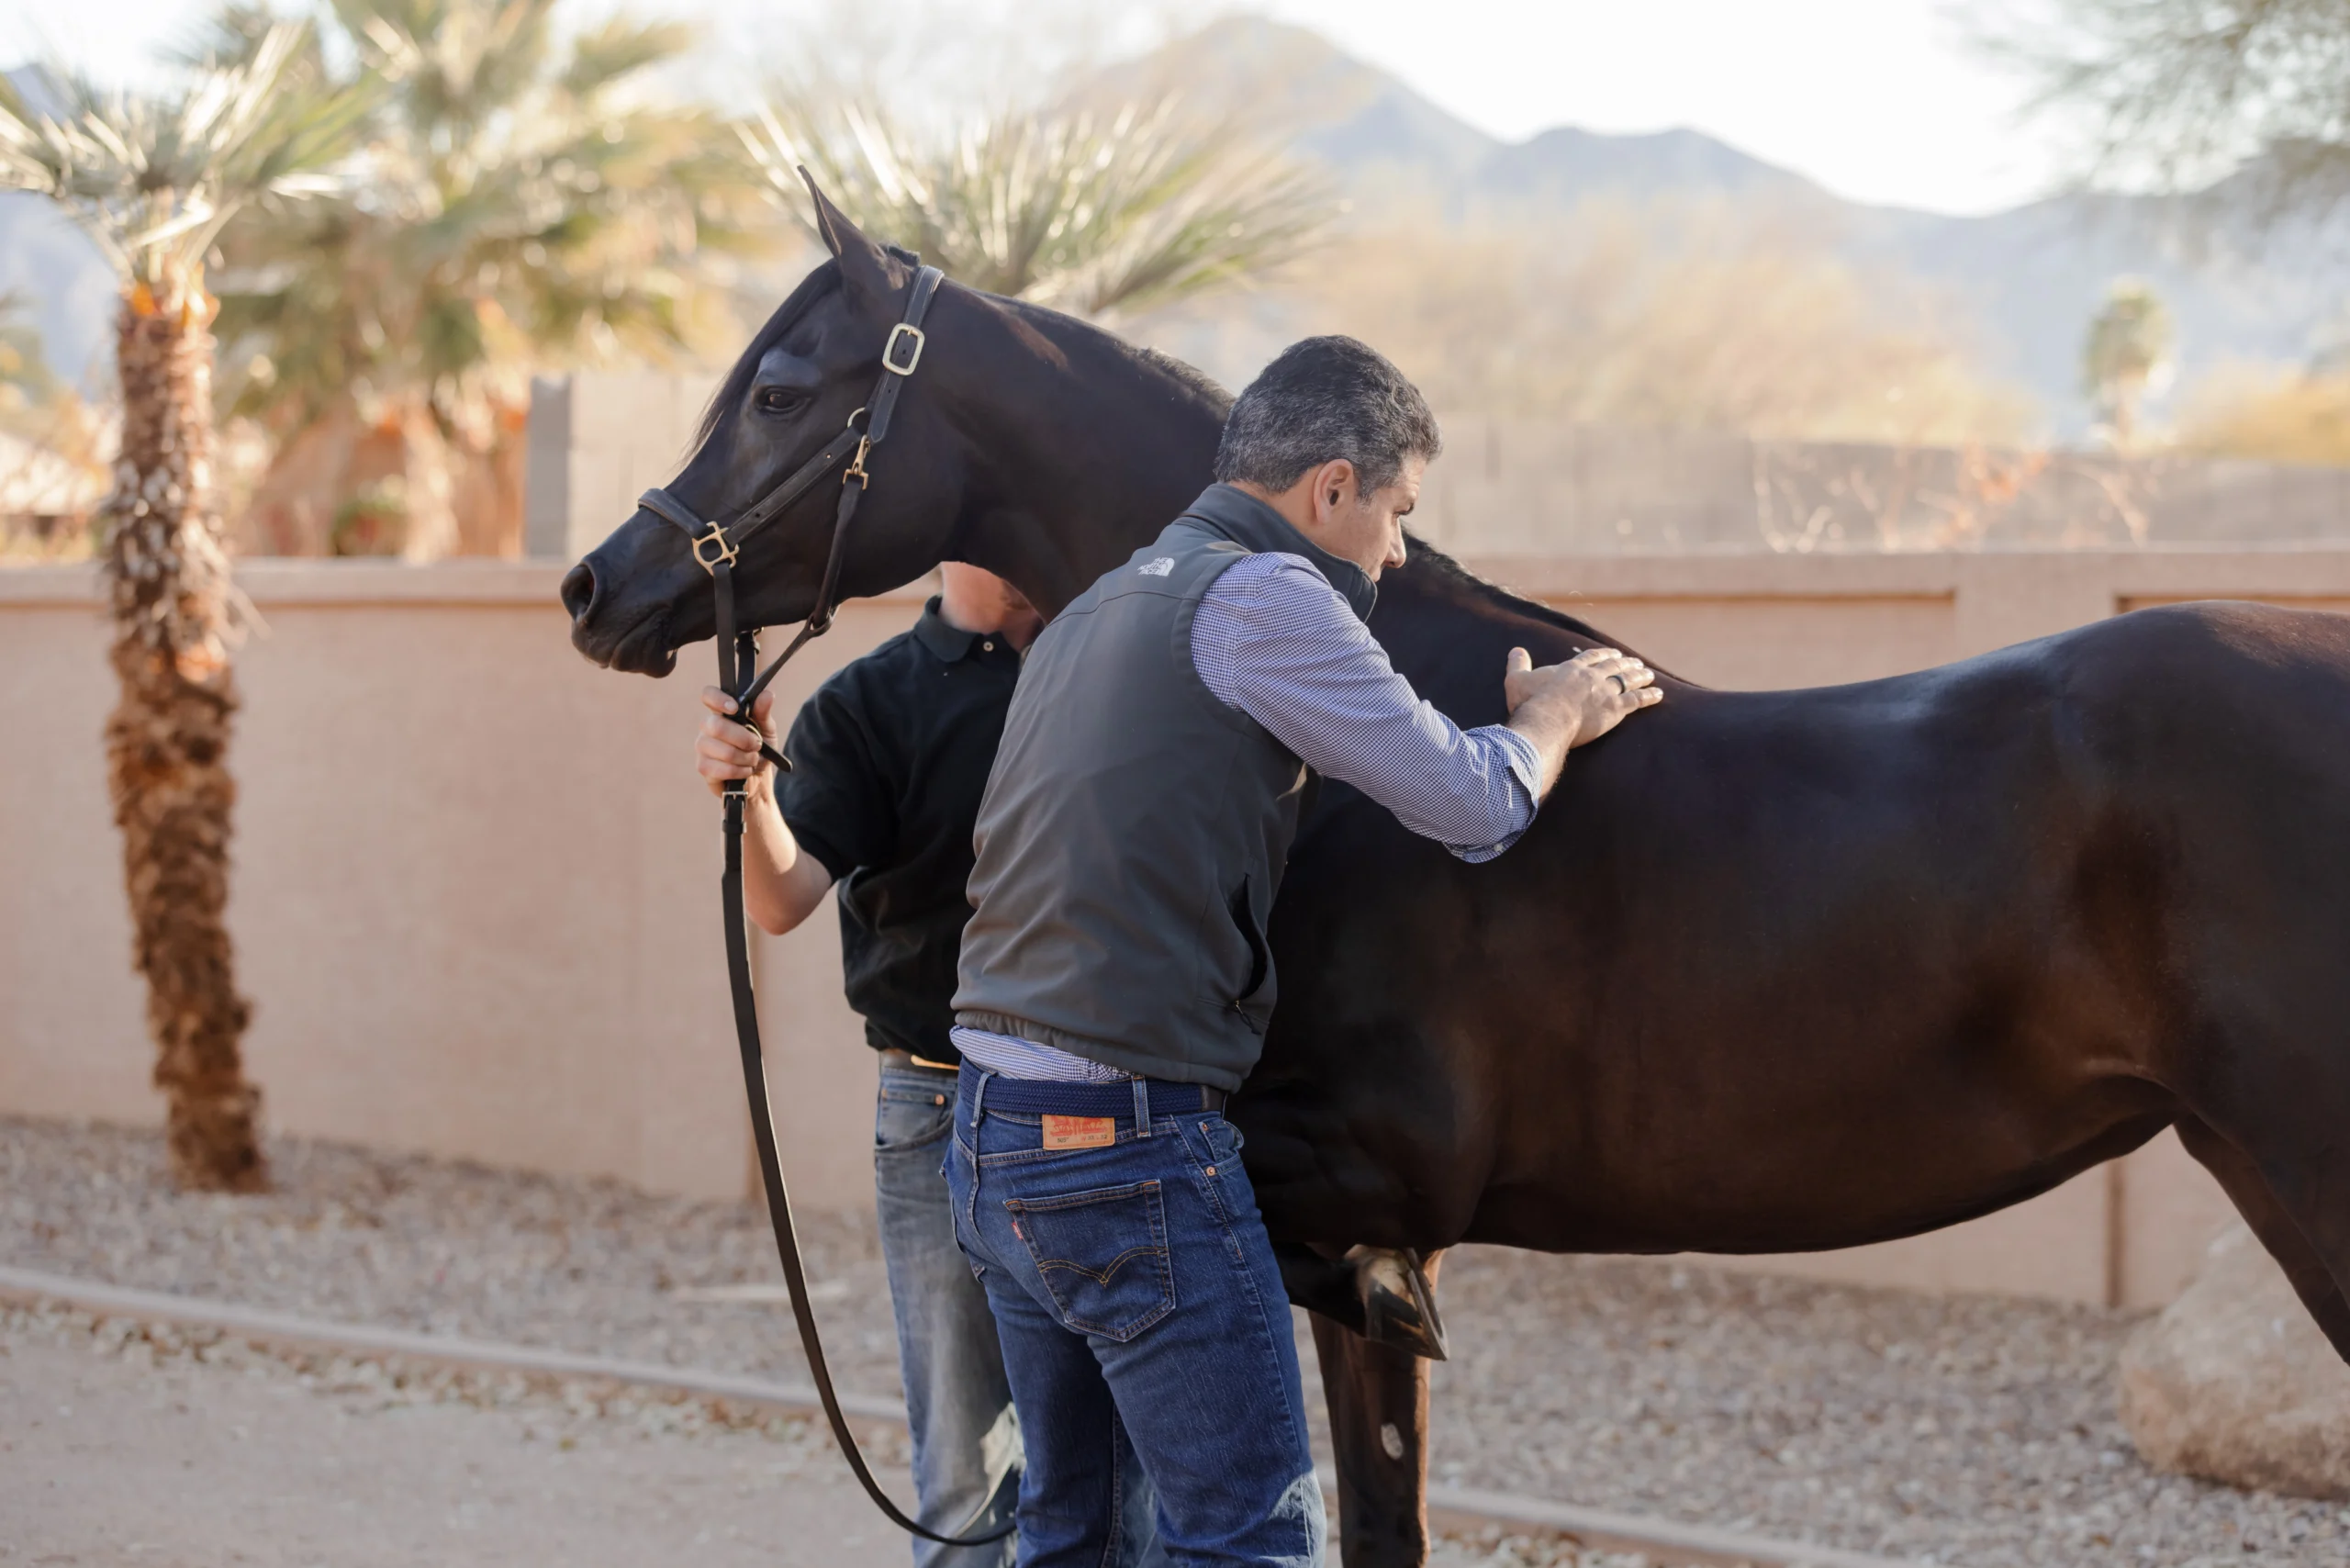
x=889, y=760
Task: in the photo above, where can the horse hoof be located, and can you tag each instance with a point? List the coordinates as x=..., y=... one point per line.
x=1398, y=1308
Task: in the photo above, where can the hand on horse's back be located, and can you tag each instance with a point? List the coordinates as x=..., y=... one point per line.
x=1561, y=706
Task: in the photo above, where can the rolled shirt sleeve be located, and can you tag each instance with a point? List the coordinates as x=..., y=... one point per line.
x=1273, y=639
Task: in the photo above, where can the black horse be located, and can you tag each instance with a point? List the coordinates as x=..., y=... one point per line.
x=1771, y=972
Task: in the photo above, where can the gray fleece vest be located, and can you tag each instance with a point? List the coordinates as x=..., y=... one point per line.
x=1135, y=828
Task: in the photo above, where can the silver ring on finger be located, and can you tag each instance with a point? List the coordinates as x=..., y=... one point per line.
x=1620, y=687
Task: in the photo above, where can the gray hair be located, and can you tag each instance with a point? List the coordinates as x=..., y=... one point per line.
x=1324, y=399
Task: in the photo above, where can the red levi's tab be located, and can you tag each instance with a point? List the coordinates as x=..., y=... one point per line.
x=1081, y=1132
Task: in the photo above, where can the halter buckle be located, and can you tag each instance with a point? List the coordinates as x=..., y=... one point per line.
x=725, y=556
x=902, y=331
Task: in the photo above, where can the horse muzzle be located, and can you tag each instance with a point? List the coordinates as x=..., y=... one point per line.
x=603, y=630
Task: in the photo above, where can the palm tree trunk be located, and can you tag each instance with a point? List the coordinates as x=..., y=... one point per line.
x=167, y=740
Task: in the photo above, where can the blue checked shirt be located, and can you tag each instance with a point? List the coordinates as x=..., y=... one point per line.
x=1272, y=638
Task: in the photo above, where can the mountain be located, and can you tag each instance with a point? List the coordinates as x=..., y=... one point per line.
x=1368, y=126
x=1563, y=165
x=2028, y=279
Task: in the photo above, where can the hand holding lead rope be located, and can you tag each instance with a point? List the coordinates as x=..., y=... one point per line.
x=726, y=749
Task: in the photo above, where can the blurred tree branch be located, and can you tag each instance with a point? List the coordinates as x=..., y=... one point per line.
x=2183, y=92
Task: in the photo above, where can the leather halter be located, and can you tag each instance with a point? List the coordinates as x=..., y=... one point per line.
x=716, y=546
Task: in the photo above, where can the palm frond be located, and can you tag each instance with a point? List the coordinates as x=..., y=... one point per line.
x=1095, y=211
x=620, y=48
x=231, y=36
x=152, y=178
x=513, y=205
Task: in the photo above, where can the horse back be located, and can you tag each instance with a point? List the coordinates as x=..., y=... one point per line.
x=1782, y=970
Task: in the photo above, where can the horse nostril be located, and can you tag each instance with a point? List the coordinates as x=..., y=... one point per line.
x=579, y=589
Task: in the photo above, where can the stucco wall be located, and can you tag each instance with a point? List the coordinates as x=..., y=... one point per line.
x=475, y=897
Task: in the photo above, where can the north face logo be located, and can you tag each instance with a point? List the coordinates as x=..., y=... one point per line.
x=1157, y=568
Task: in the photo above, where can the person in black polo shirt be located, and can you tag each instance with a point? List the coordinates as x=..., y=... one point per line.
x=890, y=759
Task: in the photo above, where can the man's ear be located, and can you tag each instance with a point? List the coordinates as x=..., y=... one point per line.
x=873, y=277
x=1332, y=482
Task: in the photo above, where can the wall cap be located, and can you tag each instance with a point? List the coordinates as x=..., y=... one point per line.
x=2285, y=571
x=293, y=584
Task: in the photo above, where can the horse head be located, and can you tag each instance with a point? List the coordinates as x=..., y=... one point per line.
x=640, y=596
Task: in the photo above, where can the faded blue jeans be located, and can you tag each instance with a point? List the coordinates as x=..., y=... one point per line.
x=1143, y=1321
x=966, y=1437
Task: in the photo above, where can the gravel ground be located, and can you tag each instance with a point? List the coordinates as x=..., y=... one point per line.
x=1955, y=1432
x=1959, y=1430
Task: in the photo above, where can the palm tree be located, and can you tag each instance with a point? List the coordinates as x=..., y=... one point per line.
x=1089, y=209
x=525, y=203
x=152, y=179
x=2127, y=351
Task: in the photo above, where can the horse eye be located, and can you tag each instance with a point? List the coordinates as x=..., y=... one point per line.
x=778, y=400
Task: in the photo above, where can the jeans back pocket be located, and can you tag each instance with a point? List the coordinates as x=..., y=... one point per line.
x=1102, y=1255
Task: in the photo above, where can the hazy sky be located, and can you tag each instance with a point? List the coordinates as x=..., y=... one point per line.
x=1880, y=100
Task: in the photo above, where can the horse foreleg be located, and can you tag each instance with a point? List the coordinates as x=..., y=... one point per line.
x=1378, y=1396
x=2305, y=1266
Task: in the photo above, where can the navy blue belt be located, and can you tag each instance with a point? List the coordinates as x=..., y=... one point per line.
x=1038, y=1097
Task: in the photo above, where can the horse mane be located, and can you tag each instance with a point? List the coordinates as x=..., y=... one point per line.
x=737, y=384
x=1463, y=586
x=1467, y=583
x=1195, y=380
x=1060, y=328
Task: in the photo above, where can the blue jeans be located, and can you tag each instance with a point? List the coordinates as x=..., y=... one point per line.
x=1143, y=1318
x=966, y=1437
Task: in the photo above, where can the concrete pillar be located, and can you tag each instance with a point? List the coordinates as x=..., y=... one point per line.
x=546, y=472
x=596, y=440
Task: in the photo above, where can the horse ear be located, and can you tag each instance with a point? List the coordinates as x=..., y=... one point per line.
x=874, y=276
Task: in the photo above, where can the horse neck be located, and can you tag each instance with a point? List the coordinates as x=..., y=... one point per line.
x=1080, y=450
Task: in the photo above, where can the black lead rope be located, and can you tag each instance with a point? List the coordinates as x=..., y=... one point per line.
x=738, y=656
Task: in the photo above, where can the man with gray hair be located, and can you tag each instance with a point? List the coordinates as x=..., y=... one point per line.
x=1115, y=980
